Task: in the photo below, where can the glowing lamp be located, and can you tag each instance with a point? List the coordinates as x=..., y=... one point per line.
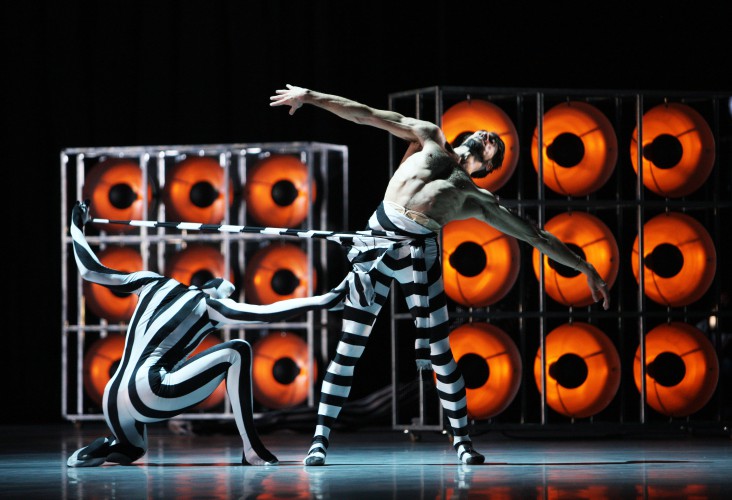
x=196, y=264
x=579, y=149
x=277, y=272
x=114, y=188
x=679, y=259
x=682, y=369
x=582, y=370
x=480, y=264
x=278, y=191
x=280, y=370
x=467, y=117
x=195, y=191
x=101, y=361
x=491, y=367
x=104, y=302
x=678, y=150
x=590, y=238
x=694, y=490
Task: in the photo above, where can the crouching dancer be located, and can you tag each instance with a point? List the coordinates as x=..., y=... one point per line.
x=156, y=380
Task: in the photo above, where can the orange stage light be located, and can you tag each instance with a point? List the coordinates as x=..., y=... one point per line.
x=280, y=370
x=278, y=193
x=276, y=272
x=679, y=259
x=682, y=369
x=104, y=302
x=582, y=370
x=558, y=487
x=480, y=264
x=589, y=237
x=467, y=117
x=196, y=264
x=678, y=150
x=100, y=363
x=195, y=191
x=114, y=188
x=579, y=148
x=491, y=366
x=105, y=355
x=672, y=489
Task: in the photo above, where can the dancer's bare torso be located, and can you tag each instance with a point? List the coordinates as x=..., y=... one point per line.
x=430, y=180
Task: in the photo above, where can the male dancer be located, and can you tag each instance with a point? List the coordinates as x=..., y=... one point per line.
x=431, y=187
x=155, y=379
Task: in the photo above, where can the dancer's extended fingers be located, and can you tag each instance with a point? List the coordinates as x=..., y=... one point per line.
x=602, y=293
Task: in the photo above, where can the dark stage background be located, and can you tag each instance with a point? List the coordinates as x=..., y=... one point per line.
x=84, y=74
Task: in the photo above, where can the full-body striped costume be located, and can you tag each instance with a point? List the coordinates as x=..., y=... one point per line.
x=155, y=381
x=415, y=264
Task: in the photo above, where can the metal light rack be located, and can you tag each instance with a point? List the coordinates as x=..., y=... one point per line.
x=625, y=204
x=327, y=168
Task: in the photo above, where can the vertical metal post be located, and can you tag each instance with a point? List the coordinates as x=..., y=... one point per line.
x=641, y=268
x=541, y=216
x=64, y=285
x=522, y=282
x=620, y=230
x=306, y=157
x=80, y=311
x=160, y=177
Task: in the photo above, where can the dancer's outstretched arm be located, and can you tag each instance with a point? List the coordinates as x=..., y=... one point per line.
x=91, y=269
x=229, y=312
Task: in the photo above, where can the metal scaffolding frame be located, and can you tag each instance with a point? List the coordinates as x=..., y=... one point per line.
x=327, y=166
x=626, y=202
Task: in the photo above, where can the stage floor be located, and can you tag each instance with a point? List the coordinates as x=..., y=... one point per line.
x=379, y=464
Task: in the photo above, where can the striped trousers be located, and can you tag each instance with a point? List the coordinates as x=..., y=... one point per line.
x=417, y=269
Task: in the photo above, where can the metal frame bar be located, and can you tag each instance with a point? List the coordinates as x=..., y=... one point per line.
x=316, y=155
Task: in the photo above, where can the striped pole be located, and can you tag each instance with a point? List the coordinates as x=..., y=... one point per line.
x=343, y=237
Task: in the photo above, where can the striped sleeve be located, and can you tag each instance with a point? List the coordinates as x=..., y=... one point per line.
x=228, y=311
x=92, y=270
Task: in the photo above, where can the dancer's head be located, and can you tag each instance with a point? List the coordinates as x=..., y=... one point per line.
x=218, y=288
x=481, y=153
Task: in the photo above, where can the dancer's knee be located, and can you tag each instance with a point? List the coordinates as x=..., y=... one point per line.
x=242, y=347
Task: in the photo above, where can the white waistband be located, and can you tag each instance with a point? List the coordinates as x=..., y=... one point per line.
x=418, y=217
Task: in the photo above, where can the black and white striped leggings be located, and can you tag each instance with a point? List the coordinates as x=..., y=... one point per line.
x=428, y=306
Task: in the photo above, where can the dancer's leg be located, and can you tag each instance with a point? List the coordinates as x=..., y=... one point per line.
x=239, y=388
x=129, y=440
x=231, y=360
x=428, y=305
x=161, y=395
x=357, y=324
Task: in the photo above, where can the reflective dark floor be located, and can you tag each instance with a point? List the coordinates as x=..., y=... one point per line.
x=369, y=464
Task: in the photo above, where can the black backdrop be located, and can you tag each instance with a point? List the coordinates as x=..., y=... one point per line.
x=114, y=73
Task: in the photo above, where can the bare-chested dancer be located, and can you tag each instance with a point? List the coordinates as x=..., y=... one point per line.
x=431, y=187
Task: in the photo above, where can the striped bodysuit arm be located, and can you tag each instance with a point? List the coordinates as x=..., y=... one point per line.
x=228, y=311
x=92, y=270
